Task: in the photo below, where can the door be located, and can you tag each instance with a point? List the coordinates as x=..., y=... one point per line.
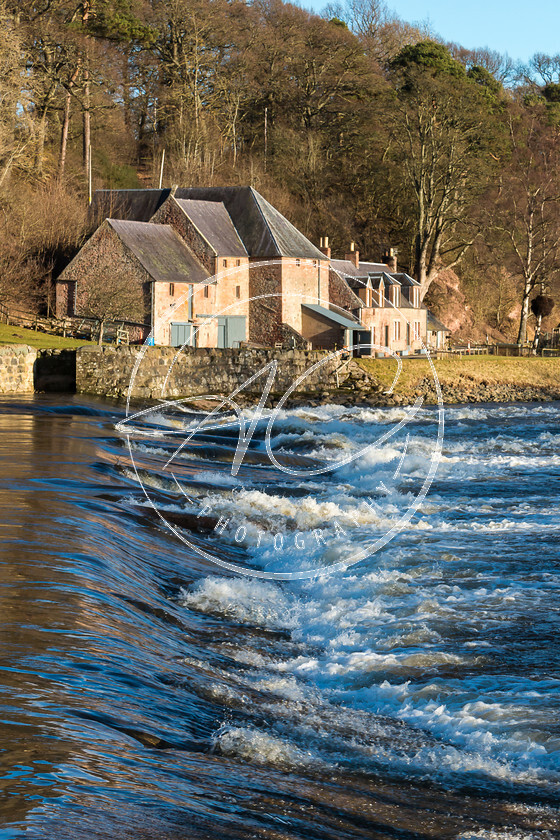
x=362, y=338
x=232, y=331
x=387, y=335
x=181, y=334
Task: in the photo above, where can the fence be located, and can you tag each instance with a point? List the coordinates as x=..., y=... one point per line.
x=121, y=332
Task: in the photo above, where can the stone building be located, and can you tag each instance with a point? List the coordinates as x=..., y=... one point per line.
x=220, y=266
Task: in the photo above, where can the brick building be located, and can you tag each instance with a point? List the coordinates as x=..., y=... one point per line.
x=221, y=266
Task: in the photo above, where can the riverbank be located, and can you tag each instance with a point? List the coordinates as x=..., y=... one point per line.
x=107, y=372
x=462, y=379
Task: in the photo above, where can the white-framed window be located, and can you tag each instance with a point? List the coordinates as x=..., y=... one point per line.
x=395, y=295
x=415, y=296
x=416, y=329
x=224, y=263
x=396, y=330
x=172, y=290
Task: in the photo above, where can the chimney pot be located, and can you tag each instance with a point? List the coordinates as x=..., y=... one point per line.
x=353, y=256
x=390, y=260
x=324, y=247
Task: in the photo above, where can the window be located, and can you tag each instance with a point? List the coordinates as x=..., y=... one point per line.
x=238, y=262
x=416, y=330
x=224, y=263
x=373, y=335
x=395, y=296
x=206, y=291
x=298, y=262
x=315, y=262
x=172, y=290
x=416, y=296
x=238, y=291
x=396, y=330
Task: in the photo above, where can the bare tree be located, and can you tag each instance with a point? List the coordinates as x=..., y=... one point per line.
x=438, y=124
x=110, y=296
x=525, y=208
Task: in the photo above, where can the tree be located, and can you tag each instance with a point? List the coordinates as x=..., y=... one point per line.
x=441, y=126
x=112, y=296
x=525, y=207
x=541, y=307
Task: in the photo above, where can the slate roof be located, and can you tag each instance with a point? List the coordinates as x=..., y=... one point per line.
x=134, y=205
x=330, y=315
x=364, y=268
x=161, y=251
x=213, y=221
x=434, y=325
x=264, y=231
x=405, y=279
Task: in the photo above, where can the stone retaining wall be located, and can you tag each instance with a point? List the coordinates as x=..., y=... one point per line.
x=107, y=371
x=16, y=369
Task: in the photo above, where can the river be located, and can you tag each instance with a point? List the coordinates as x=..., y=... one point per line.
x=148, y=692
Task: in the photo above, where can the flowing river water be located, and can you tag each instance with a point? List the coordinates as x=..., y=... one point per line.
x=146, y=692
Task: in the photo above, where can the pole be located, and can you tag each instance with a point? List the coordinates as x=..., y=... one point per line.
x=161, y=169
x=90, y=191
x=265, y=134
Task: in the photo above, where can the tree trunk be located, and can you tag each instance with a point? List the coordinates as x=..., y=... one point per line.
x=537, y=334
x=66, y=124
x=87, y=116
x=101, y=328
x=522, y=334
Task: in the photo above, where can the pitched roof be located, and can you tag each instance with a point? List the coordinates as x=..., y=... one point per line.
x=264, y=231
x=134, y=205
x=434, y=325
x=161, y=251
x=348, y=267
x=405, y=279
x=213, y=221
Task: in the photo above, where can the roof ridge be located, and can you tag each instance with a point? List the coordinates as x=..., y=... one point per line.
x=254, y=193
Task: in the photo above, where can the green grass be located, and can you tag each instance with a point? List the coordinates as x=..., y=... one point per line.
x=43, y=341
x=467, y=370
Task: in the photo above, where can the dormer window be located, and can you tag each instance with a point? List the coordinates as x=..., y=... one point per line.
x=395, y=296
x=415, y=296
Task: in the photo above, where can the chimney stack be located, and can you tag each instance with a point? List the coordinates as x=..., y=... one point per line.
x=390, y=259
x=324, y=246
x=353, y=256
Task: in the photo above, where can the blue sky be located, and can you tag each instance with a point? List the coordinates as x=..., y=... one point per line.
x=518, y=27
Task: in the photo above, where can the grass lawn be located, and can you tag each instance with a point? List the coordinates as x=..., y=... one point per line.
x=467, y=370
x=44, y=341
